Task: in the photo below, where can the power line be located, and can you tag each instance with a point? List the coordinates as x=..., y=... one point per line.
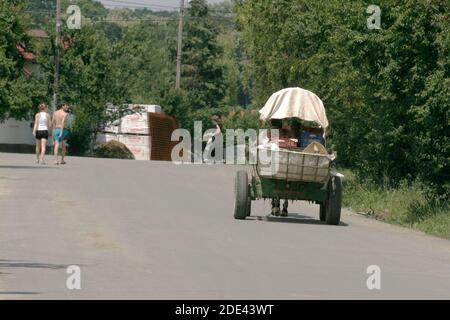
x=131, y=19
x=143, y=5
x=138, y=5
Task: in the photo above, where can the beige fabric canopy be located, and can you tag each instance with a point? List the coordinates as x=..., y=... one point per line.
x=295, y=103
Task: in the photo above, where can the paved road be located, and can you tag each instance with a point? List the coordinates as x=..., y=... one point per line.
x=150, y=230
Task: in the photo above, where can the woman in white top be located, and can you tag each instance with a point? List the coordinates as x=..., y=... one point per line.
x=41, y=131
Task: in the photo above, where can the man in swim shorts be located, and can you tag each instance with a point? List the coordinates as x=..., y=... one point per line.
x=60, y=132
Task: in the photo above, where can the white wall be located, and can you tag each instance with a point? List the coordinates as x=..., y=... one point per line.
x=16, y=132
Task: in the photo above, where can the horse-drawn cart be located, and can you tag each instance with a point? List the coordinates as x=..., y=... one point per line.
x=292, y=174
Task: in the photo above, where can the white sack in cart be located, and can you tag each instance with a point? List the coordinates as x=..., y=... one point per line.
x=296, y=166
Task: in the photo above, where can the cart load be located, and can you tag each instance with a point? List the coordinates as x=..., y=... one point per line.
x=290, y=165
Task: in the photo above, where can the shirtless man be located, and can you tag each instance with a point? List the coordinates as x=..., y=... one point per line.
x=60, y=132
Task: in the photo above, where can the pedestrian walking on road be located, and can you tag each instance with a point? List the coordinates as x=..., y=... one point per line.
x=60, y=132
x=41, y=129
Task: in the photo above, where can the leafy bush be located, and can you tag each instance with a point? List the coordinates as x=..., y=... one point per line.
x=19, y=94
x=113, y=149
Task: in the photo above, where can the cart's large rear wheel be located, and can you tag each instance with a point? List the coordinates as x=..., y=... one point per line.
x=241, y=204
x=333, y=205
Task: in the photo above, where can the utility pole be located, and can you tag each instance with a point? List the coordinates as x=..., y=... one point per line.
x=180, y=47
x=57, y=43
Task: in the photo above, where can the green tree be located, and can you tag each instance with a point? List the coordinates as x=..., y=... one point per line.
x=89, y=82
x=143, y=58
x=431, y=117
x=41, y=12
x=202, y=73
x=18, y=93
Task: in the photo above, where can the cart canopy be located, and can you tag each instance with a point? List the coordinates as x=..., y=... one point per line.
x=295, y=103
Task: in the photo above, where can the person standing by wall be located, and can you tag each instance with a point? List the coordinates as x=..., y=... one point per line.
x=41, y=129
x=215, y=134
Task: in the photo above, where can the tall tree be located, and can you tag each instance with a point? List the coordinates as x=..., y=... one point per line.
x=431, y=116
x=143, y=58
x=18, y=93
x=89, y=82
x=202, y=72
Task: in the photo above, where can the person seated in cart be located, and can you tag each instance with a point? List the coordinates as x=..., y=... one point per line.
x=309, y=135
x=286, y=138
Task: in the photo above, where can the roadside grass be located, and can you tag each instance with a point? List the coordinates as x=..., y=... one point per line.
x=404, y=205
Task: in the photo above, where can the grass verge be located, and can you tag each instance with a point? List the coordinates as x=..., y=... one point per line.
x=404, y=205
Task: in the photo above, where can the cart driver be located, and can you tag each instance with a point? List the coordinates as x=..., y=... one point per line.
x=286, y=138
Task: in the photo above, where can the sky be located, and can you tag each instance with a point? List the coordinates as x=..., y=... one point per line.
x=152, y=4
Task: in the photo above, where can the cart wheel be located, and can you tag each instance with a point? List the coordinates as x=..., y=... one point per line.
x=241, y=206
x=333, y=206
x=323, y=212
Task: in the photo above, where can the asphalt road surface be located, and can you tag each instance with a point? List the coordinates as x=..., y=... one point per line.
x=153, y=230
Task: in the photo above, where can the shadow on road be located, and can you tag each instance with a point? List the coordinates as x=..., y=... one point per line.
x=24, y=264
x=293, y=218
x=26, y=167
x=17, y=293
